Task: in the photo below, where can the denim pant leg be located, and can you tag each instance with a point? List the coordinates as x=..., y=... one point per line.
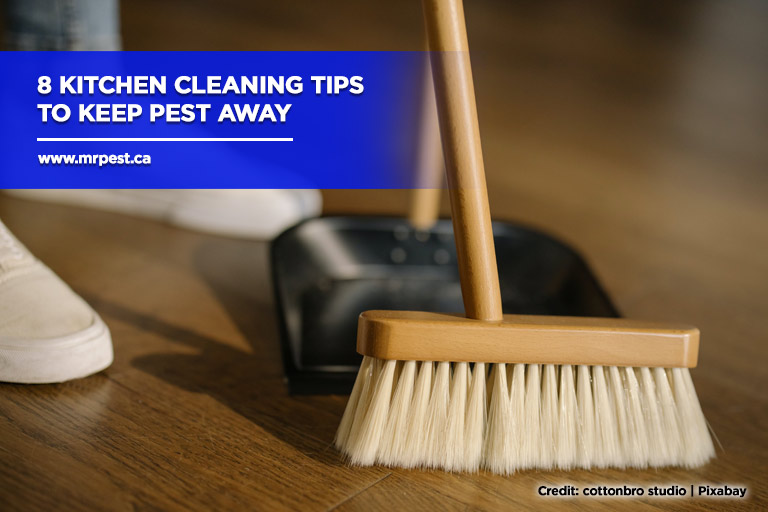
x=63, y=24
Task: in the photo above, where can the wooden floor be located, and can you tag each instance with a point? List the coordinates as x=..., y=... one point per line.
x=634, y=130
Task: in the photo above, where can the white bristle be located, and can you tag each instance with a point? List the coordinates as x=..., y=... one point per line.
x=607, y=452
x=362, y=381
x=474, y=422
x=567, y=445
x=416, y=433
x=530, y=454
x=549, y=416
x=637, y=445
x=366, y=441
x=668, y=414
x=618, y=397
x=364, y=402
x=516, y=381
x=392, y=443
x=437, y=415
x=519, y=416
x=453, y=447
x=658, y=454
x=497, y=449
x=587, y=443
x=697, y=443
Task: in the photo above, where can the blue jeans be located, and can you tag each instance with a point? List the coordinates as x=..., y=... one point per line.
x=63, y=24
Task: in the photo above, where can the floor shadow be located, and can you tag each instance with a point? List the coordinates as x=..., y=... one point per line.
x=249, y=382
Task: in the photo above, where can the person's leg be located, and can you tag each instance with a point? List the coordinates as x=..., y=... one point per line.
x=94, y=25
x=47, y=332
x=62, y=24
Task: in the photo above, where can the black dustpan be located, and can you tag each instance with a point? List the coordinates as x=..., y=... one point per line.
x=326, y=271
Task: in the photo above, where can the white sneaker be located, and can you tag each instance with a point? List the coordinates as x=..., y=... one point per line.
x=47, y=332
x=248, y=213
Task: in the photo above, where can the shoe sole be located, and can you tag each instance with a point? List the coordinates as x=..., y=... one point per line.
x=51, y=360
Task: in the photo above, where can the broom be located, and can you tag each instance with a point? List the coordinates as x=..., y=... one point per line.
x=512, y=392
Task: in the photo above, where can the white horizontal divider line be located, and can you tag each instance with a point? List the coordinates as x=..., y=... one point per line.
x=165, y=139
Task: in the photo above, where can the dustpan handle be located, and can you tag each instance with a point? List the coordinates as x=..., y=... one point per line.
x=463, y=155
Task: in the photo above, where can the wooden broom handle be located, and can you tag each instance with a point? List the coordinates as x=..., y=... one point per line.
x=460, y=133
